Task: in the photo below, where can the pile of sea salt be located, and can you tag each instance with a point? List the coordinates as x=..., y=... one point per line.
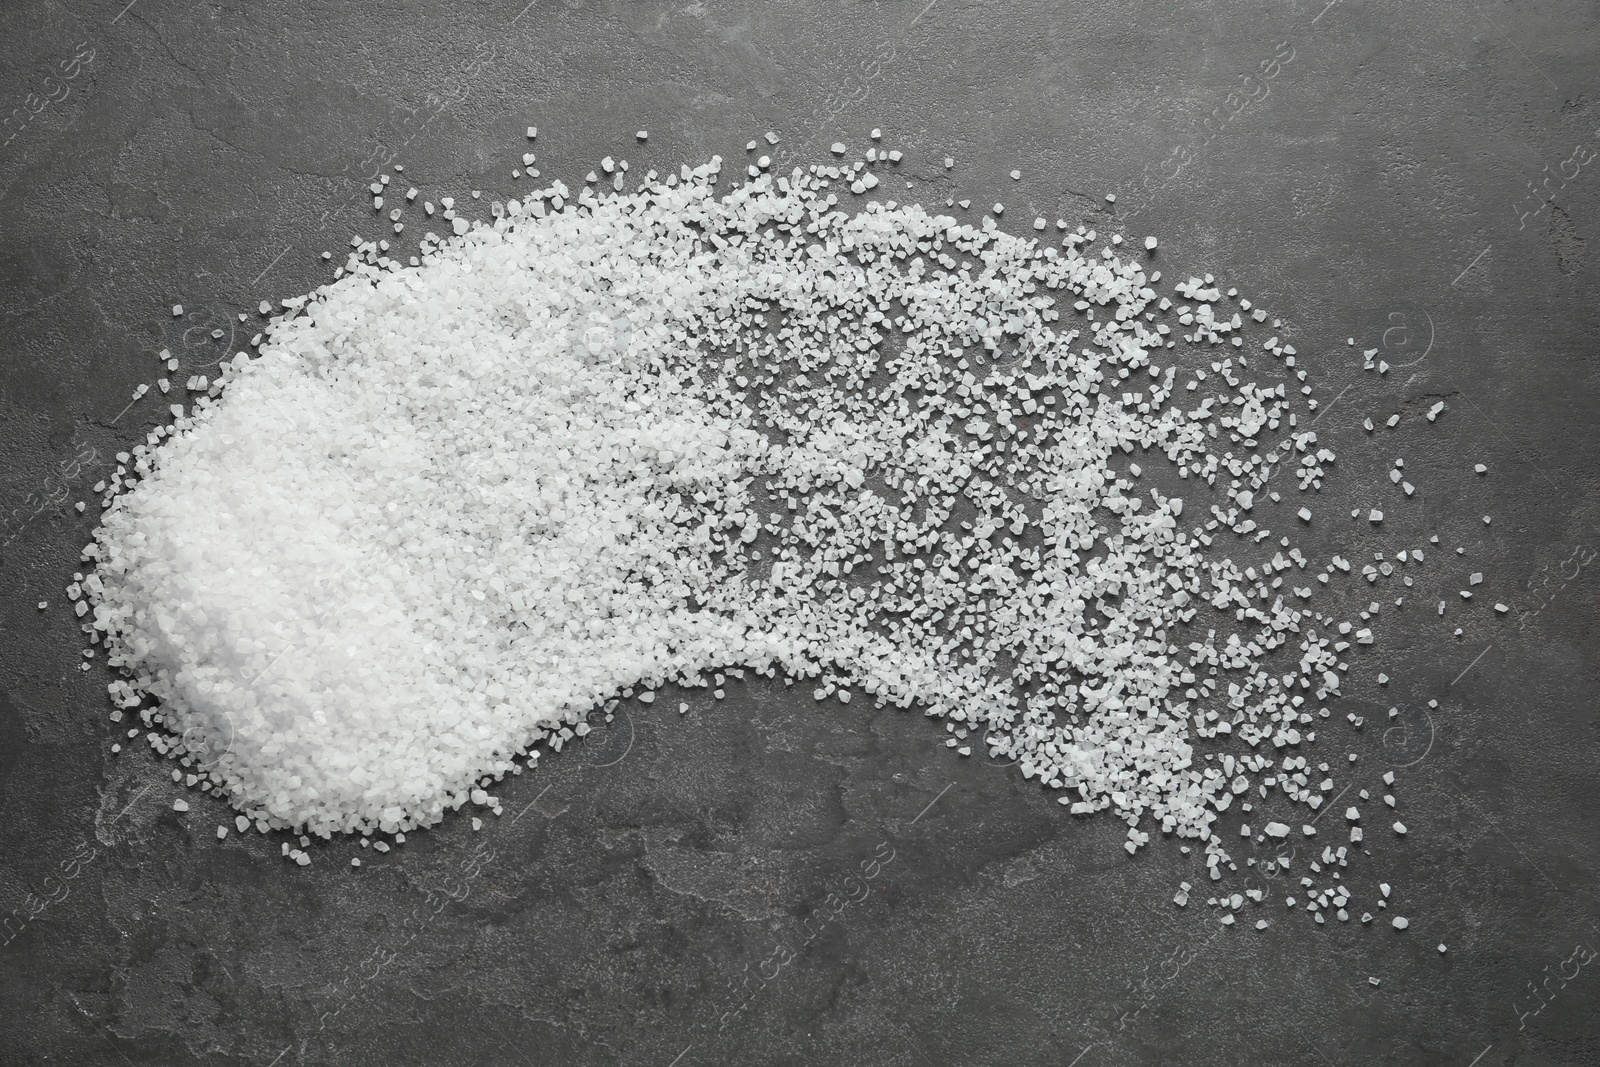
x=607, y=442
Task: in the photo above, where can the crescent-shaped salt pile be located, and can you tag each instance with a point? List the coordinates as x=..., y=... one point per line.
x=446, y=510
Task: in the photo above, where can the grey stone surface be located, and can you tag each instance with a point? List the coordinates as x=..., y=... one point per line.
x=645, y=899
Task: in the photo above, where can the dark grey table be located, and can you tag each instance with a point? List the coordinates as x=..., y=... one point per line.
x=1416, y=177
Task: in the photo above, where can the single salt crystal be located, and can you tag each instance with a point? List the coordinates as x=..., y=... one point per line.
x=838, y=148
x=180, y=805
x=1277, y=829
x=1150, y=244
x=1374, y=515
x=222, y=832
x=1016, y=175
x=1400, y=922
x=876, y=133
x=533, y=131
x=1400, y=828
x=643, y=135
x=177, y=311
x=1305, y=514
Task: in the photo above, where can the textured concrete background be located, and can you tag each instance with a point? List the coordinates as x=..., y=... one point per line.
x=1383, y=184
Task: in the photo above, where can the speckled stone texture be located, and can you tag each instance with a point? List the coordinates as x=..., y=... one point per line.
x=766, y=880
